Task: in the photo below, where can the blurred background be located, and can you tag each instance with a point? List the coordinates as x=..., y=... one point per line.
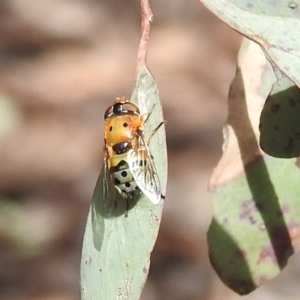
x=62, y=62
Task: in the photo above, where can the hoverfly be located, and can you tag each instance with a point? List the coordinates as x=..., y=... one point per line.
x=128, y=164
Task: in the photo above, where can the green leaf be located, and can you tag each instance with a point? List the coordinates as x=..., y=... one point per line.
x=256, y=223
x=279, y=121
x=275, y=25
x=118, y=243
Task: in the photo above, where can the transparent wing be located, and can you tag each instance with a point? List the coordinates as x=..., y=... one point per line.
x=106, y=183
x=109, y=201
x=109, y=192
x=144, y=172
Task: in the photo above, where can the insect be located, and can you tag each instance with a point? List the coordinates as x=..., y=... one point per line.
x=128, y=163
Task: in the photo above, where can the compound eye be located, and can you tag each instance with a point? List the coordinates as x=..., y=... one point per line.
x=130, y=107
x=108, y=112
x=118, y=108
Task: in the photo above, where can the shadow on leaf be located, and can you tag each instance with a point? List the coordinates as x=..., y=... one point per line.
x=260, y=184
x=279, y=124
x=228, y=257
x=228, y=260
x=107, y=204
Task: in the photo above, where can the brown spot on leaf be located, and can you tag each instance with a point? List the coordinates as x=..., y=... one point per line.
x=262, y=279
x=275, y=108
x=267, y=253
x=240, y=253
x=248, y=208
x=290, y=145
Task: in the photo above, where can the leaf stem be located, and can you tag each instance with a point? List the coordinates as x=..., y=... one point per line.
x=146, y=18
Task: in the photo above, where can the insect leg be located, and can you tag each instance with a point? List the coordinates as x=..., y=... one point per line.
x=154, y=131
x=127, y=208
x=149, y=114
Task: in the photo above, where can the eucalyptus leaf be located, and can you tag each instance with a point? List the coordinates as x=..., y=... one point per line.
x=118, y=239
x=279, y=121
x=256, y=223
x=275, y=25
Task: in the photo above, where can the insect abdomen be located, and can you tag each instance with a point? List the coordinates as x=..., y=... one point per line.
x=122, y=176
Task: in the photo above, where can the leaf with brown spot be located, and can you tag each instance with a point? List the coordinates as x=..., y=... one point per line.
x=255, y=196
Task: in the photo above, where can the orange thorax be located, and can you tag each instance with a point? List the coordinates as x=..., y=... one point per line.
x=121, y=128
